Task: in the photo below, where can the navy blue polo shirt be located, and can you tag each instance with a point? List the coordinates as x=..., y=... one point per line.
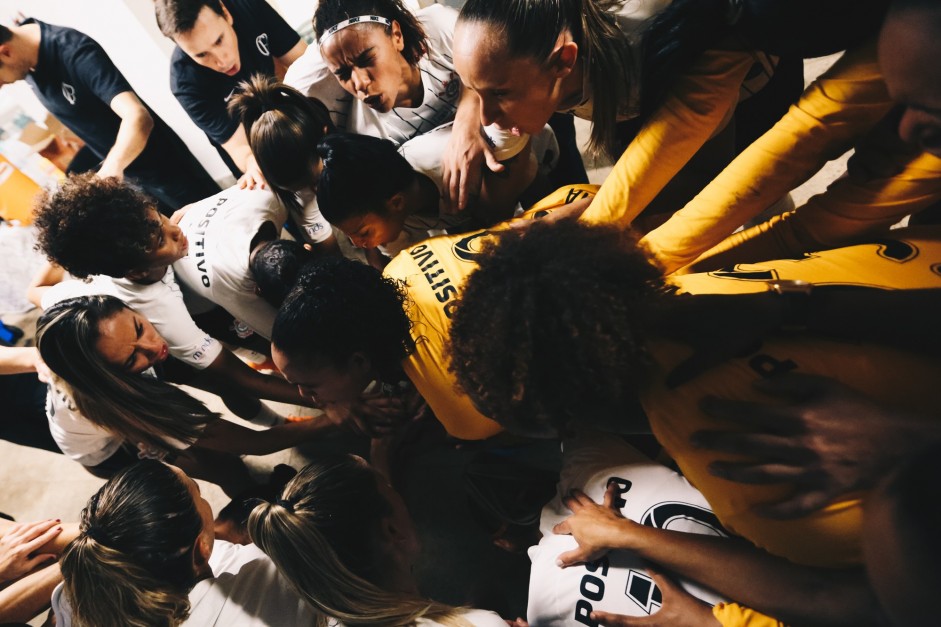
x=76, y=82
x=204, y=93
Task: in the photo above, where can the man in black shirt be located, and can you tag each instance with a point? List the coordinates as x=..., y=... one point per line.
x=218, y=46
x=76, y=82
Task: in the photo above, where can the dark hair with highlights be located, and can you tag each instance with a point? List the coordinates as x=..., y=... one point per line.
x=332, y=12
x=132, y=562
x=339, y=307
x=283, y=127
x=547, y=329
x=93, y=225
x=275, y=268
x=359, y=174
x=177, y=17
x=530, y=28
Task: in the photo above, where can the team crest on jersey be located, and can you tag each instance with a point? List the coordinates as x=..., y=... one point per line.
x=68, y=92
x=261, y=42
x=683, y=517
x=642, y=590
x=467, y=248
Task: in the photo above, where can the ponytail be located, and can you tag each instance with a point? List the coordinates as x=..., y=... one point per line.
x=282, y=126
x=132, y=563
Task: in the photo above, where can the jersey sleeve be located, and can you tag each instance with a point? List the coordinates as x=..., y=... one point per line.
x=845, y=213
x=209, y=114
x=314, y=227
x=97, y=71
x=281, y=37
x=735, y=615
x=842, y=104
x=699, y=104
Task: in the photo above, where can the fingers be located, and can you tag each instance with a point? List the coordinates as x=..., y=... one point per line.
x=796, y=386
x=756, y=416
x=611, y=496
x=757, y=474
x=571, y=558
x=40, y=534
x=619, y=620
x=491, y=160
x=577, y=500
x=563, y=528
x=765, y=446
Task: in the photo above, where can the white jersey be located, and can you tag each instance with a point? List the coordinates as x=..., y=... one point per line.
x=442, y=85
x=423, y=153
x=477, y=618
x=245, y=590
x=650, y=494
x=220, y=230
x=160, y=302
x=77, y=437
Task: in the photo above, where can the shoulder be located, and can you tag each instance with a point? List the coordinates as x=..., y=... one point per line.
x=437, y=18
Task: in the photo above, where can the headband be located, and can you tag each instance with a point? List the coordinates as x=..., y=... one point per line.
x=359, y=19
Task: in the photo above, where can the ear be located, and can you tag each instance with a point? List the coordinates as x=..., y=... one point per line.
x=397, y=205
x=202, y=549
x=398, y=39
x=359, y=364
x=6, y=52
x=226, y=14
x=565, y=58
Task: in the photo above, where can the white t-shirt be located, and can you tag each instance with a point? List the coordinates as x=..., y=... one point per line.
x=424, y=152
x=75, y=435
x=246, y=590
x=651, y=494
x=477, y=618
x=160, y=302
x=220, y=230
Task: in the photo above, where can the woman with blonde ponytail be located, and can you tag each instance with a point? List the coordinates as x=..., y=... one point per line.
x=342, y=536
x=146, y=556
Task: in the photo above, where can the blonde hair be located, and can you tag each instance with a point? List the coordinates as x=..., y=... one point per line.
x=132, y=563
x=323, y=536
x=141, y=409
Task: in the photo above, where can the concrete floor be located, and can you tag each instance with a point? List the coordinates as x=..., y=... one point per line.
x=459, y=561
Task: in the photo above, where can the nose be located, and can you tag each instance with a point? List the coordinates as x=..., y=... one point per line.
x=920, y=128
x=151, y=346
x=358, y=242
x=306, y=392
x=489, y=112
x=361, y=82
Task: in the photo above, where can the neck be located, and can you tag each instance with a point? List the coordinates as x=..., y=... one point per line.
x=573, y=87
x=413, y=93
x=26, y=40
x=422, y=196
x=148, y=276
x=266, y=233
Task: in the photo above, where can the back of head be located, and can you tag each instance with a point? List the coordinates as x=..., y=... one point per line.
x=359, y=174
x=283, y=127
x=93, y=225
x=531, y=28
x=132, y=563
x=275, y=268
x=5, y=34
x=547, y=329
x=339, y=307
x=324, y=535
x=175, y=17
x=139, y=408
x=329, y=13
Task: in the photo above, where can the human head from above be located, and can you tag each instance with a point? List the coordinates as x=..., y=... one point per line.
x=900, y=543
x=909, y=46
x=549, y=329
x=14, y=63
x=275, y=266
x=375, y=60
x=342, y=326
x=342, y=536
x=99, y=348
x=370, y=214
x=203, y=30
x=93, y=225
x=283, y=128
x=527, y=59
x=145, y=540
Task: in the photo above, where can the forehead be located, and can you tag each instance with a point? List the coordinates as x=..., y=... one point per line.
x=116, y=336
x=206, y=29
x=483, y=61
x=345, y=45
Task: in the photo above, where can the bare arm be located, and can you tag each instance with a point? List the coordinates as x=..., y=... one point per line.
x=226, y=436
x=136, y=124
x=293, y=54
x=50, y=274
x=17, y=360
x=26, y=598
x=229, y=370
x=466, y=154
x=241, y=153
x=733, y=568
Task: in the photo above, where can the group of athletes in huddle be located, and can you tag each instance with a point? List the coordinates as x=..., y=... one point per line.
x=788, y=370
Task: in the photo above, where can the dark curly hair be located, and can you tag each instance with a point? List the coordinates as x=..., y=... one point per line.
x=93, y=225
x=339, y=307
x=275, y=268
x=547, y=328
x=332, y=12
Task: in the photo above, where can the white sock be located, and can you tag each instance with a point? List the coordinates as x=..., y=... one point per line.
x=266, y=417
